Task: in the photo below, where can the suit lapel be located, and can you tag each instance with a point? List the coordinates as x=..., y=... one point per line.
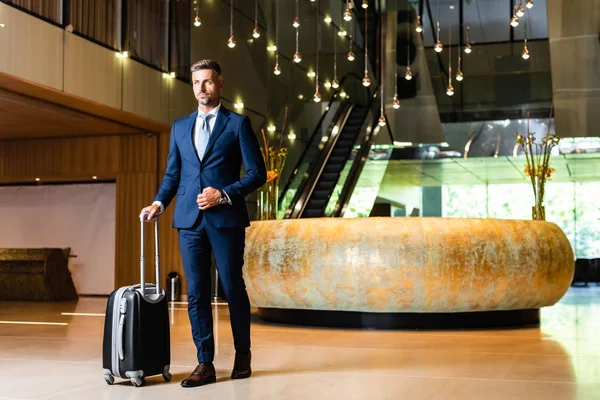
x=189, y=138
x=220, y=123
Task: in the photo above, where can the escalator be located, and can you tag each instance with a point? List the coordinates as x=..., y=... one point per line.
x=340, y=153
x=322, y=170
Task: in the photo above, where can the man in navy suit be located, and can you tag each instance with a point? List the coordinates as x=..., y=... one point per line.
x=207, y=151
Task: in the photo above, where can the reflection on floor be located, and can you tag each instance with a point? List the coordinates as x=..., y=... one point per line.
x=560, y=360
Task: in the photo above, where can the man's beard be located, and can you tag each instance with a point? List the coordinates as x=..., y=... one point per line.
x=206, y=100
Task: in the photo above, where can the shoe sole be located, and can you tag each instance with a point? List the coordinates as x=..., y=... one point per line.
x=241, y=376
x=205, y=382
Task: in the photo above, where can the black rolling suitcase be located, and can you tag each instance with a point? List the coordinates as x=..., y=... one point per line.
x=136, y=328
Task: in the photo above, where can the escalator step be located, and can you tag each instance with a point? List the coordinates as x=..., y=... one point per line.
x=311, y=214
x=320, y=195
x=316, y=204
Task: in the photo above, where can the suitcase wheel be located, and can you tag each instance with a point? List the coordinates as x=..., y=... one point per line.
x=166, y=376
x=137, y=382
x=109, y=379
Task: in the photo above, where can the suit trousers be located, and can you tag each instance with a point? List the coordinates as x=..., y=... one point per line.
x=227, y=245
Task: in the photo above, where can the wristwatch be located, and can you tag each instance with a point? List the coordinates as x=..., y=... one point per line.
x=223, y=199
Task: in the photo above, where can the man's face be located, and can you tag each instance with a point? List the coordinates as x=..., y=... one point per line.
x=207, y=86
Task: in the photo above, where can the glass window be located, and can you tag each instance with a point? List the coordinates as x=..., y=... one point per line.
x=49, y=9
x=96, y=19
x=147, y=30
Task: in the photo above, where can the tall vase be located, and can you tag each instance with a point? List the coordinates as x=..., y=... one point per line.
x=267, y=204
x=538, y=211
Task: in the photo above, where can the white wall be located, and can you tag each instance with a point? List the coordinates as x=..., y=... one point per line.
x=80, y=216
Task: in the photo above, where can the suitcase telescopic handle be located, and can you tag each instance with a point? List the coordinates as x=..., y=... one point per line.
x=143, y=218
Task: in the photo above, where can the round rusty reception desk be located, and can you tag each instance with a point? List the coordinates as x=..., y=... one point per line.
x=406, y=272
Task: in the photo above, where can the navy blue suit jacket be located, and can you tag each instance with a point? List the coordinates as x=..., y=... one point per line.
x=231, y=144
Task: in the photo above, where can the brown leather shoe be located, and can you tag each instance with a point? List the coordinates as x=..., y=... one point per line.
x=241, y=366
x=203, y=374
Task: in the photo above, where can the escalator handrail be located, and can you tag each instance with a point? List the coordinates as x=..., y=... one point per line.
x=316, y=131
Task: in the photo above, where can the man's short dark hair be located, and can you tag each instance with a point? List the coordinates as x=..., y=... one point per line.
x=206, y=64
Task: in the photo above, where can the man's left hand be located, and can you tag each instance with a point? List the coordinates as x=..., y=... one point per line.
x=209, y=197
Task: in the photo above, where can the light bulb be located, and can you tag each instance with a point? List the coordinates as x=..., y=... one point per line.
x=351, y=56
x=343, y=94
x=277, y=70
x=365, y=4
x=327, y=20
x=296, y=23
x=419, y=27
x=366, y=81
x=525, y=53
x=438, y=47
x=311, y=74
x=514, y=22
x=520, y=11
x=382, y=121
x=459, y=76
x=396, y=102
x=529, y=4
x=231, y=42
x=172, y=75
x=297, y=57
x=317, y=97
x=450, y=90
x=335, y=83
x=197, y=21
x=255, y=33
x=347, y=15
x=408, y=74
x=327, y=85
x=468, y=48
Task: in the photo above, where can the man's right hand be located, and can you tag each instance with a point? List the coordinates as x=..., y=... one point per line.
x=151, y=211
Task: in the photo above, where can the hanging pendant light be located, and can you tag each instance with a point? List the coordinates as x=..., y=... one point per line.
x=529, y=4
x=525, y=53
x=366, y=81
x=520, y=10
x=317, y=95
x=351, y=56
x=419, y=27
x=408, y=73
x=450, y=89
x=438, y=47
x=277, y=69
x=197, y=21
x=231, y=41
x=255, y=31
x=396, y=101
x=365, y=4
x=297, y=56
x=296, y=23
x=459, y=74
x=468, y=48
x=335, y=83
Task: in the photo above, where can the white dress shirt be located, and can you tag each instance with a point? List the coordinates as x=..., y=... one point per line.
x=197, y=126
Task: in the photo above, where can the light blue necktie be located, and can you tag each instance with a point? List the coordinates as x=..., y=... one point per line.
x=203, y=134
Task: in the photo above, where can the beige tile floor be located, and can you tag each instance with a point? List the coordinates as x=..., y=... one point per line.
x=558, y=360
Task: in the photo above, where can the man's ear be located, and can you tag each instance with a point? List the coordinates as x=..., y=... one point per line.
x=221, y=83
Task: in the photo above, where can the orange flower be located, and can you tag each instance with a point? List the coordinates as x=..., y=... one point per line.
x=271, y=175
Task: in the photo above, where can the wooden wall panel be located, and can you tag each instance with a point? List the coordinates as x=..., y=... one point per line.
x=92, y=72
x=73, y=158
x=31, y=48
x=145, y=91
